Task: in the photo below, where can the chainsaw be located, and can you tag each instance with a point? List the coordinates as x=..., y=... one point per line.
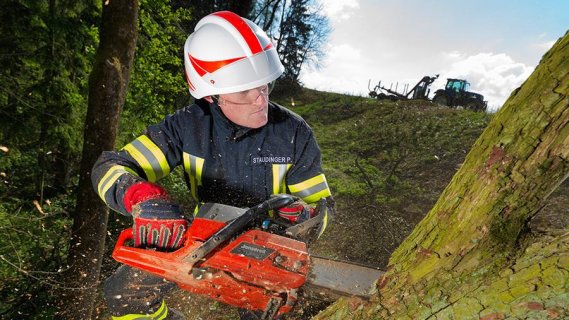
x=254, y=268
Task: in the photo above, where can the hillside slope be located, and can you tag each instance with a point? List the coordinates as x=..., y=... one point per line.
x=387, y=162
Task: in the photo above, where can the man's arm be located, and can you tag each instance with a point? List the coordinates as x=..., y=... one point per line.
x=148, y=158
x=306, y=180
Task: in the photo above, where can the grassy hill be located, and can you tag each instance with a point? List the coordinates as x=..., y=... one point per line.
x=386, y=162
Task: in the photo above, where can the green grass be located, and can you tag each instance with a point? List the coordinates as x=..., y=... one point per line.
x=386, y=163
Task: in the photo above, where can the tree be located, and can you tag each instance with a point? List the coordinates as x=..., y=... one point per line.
x=300, y=31
x=473, y=256
x=107, y=91
x=201, y=8
x=46, y=51
x=157, y=81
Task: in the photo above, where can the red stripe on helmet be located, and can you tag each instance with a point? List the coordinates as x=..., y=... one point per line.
x=189, y=82
x=202, y=67
x=243, y=28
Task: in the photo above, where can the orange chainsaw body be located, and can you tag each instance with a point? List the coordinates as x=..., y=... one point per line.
x=252, y=271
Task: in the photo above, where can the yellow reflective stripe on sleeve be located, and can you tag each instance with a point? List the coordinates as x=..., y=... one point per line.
x=193, y=166
x=199, y=168
x=142, y=162
x=279, y=174
x=311, y=190
x=158, y=154
x=149, y=157
x=324, y=223
x=110, y=178
x=160, y=314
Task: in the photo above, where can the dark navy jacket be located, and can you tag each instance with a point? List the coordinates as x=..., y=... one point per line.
x=223, y=162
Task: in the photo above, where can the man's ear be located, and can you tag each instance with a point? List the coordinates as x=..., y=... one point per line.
x=208, y=99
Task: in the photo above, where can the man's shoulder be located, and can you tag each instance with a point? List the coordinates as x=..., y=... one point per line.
x=197, y=110
x=282, y=115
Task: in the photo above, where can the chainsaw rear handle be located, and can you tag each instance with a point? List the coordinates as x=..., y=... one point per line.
x=274, y=202
x=146, y=259
x=125, y=236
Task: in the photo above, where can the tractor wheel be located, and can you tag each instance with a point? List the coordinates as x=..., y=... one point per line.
x=474, y=105
x=441, y=100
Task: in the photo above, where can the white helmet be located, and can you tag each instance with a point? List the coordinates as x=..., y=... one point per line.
x=227, y=53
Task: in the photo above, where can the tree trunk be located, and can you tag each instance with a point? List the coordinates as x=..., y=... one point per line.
x=107, y=91
x=472, y=256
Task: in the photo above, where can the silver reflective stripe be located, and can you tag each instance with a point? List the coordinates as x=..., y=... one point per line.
x=193, y=166
x=150, y=157
x=279, y=174
x=112, y=175
x=312, y=190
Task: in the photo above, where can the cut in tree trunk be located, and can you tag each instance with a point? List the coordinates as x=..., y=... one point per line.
x=107, y=91
x=472, y=256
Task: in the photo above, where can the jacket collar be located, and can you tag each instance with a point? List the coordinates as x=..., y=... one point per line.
x=231, y=130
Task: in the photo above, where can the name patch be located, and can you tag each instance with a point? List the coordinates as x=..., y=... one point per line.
x=270, y=159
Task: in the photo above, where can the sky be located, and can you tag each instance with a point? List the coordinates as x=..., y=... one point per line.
x=494, y=45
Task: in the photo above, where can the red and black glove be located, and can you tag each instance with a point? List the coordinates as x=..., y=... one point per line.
x=309, y=222
x=158, y=222
x=296, y=212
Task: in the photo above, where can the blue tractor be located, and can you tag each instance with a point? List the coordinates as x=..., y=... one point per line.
x=456, y=94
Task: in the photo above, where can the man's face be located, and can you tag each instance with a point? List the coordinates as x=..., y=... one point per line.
x=248, y=108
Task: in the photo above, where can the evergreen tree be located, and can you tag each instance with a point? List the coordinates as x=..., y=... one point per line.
x=46, y=49
x=300, y=30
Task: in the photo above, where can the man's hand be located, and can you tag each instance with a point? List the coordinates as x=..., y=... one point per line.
x=311, y=222
x=296, y=212
x=158, y=223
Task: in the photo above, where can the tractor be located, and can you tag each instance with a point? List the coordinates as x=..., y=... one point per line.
x=456, y=94
x=419, y=91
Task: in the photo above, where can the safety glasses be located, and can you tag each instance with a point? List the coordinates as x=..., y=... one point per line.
x=247, y=97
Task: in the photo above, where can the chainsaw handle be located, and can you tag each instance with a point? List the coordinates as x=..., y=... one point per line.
x=277, y=201
x=230, y=229
x=125, y=236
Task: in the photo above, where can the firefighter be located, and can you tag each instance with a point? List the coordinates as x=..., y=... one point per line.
x=235, y=146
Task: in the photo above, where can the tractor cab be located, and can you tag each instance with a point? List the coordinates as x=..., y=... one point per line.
x=457, y=85
x=456, y=94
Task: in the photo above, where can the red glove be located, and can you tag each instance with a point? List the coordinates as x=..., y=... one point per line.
x=158, y=222
x=296, y=212
x=311, y=228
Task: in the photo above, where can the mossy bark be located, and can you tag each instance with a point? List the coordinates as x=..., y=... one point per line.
x=107, y=91
x=472, y=256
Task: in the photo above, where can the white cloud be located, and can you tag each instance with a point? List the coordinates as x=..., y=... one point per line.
x=545, y=46
x=342, y=71
x=344, y=52
x=493, y=75
x=544, y=42
x=348, y=70
x=339, y=9
x=386, y=41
